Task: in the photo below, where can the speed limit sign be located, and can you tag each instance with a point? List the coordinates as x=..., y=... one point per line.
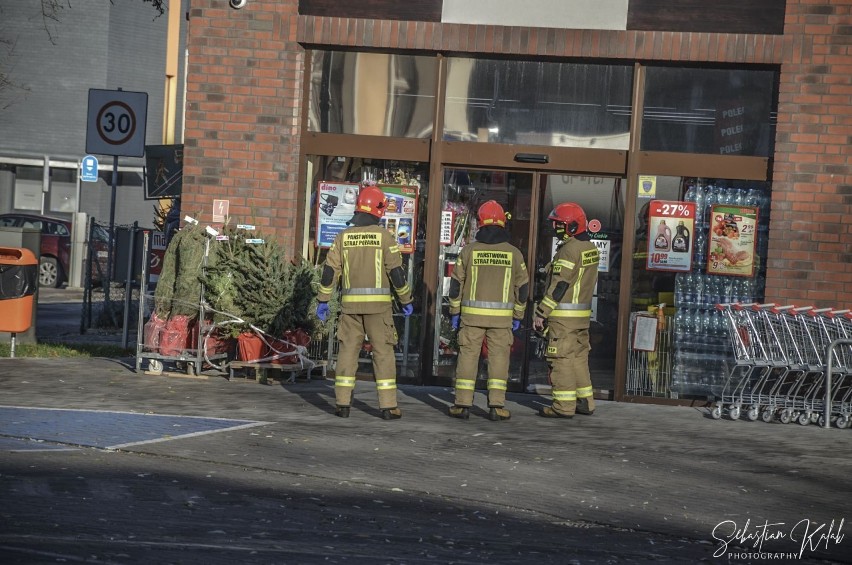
x=116, y=122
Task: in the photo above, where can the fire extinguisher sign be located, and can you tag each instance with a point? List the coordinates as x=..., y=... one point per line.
x=670, y=228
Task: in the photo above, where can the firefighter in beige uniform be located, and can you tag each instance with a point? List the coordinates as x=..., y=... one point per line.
x=368, y=258
x=567, y=306
x=488, y=291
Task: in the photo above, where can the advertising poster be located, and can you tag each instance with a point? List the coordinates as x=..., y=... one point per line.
x=670, y=241
x=733, y=231
x=336, y=206
x=401, y=215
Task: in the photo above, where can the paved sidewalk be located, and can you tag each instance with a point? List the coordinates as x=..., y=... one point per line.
x=632, y=476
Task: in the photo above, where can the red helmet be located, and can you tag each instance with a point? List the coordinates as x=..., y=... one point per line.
x=571, y=216
x=491, y=213
x=372, y=200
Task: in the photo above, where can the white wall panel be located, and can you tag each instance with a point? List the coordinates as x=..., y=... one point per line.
x=569, y=14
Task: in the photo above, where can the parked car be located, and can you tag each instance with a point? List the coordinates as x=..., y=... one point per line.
x=55, y=263
x=55, y=245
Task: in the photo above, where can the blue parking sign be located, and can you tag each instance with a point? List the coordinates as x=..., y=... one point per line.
x=89, y=169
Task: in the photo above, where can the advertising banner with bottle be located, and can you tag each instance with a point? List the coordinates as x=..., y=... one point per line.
x=336, y=206
x=401, y=216
x=731, y=250
x=670, y=228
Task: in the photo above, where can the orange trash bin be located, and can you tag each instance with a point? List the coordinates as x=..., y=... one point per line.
x=18, y=284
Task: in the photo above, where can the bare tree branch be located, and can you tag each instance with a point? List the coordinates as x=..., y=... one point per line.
x=10, y=91
x=51, y=11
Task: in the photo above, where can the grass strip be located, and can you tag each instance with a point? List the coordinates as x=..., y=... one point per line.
x=48, y=350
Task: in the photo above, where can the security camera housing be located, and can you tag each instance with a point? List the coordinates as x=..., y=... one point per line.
x=237, y=4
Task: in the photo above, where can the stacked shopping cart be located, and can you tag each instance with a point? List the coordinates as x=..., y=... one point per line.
x=793, y=364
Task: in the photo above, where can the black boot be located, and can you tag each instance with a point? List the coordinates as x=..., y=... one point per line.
x=460, y=412
x=583, y=407
x=391, y=414
x=342, y=411
x=497, y=413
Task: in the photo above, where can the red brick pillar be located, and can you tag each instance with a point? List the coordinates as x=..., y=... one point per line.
x=244, y=88
x=810, y=248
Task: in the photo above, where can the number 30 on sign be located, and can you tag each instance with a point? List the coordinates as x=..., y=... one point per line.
x=116, y=123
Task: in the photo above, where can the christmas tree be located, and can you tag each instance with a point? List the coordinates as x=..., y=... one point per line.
x=252, y=280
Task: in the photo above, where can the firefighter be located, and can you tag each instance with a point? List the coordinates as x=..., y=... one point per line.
x=368, y=258
x=567, y=307
x=488, y=296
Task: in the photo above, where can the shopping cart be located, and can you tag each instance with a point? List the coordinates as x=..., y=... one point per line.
x=836, y=325
x=765, y=366
x=752, y=345
x=780, y=371
x=798, y=398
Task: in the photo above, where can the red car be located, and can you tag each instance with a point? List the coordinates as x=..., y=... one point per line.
x=55, y=245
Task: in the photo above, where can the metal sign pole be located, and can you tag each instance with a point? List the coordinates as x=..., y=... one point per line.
x=128, y=284
x=143, y=289
x=110, y=251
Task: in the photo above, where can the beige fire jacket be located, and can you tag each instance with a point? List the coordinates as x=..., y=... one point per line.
x=571, y=284
x=490, y=277
x=364, y=257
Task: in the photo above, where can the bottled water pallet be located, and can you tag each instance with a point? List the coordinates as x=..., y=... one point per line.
x=782, y=354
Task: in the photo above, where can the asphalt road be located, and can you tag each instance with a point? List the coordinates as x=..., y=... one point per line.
x=633, y=483
x=86, y=477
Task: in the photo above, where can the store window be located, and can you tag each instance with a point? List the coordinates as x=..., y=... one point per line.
x=333, y=191
x=699, y=242
x=63, y=191
x=372, y=94
x=714, y=111
x=29, y=187
x=538, y=103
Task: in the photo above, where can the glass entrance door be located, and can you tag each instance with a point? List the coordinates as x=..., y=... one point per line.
x=529, y=196
x=602, y=198
x=465, y=190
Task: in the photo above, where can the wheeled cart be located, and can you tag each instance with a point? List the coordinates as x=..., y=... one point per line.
x=198, y=347
x=189, y=345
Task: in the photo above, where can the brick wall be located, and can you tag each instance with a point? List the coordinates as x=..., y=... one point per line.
x=810, y=248
x=242, y=117
x=541, y=42
x=242, y=130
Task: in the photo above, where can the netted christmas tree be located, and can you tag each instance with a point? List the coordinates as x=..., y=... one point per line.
x=179, y=287
x=252, y=279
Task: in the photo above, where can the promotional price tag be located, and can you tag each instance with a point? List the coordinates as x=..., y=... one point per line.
x=670, y=229
x=447, y=223
x=732, y=245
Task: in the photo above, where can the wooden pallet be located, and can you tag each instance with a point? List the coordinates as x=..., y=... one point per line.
x=260, y=370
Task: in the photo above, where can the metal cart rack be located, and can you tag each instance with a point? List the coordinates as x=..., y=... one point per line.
x=649, y=372
x=782, y=358
x=190, y=359
x=206, y=348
